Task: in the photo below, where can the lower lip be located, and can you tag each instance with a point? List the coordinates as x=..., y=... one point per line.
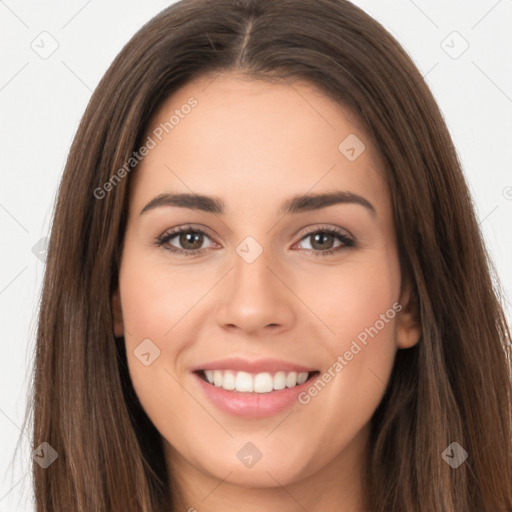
x=252, y=405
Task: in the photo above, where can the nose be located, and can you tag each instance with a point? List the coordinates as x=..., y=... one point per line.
x=255, y=298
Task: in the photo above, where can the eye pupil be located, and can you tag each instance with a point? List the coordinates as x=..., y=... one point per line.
x=320, y=239
x=191, y=237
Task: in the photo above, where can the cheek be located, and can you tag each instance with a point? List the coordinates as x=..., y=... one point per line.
x=356, y=298
x=359, y=305
x=155, y=305
x=156, y=297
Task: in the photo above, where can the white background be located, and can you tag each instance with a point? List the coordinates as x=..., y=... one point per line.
x=42, y=101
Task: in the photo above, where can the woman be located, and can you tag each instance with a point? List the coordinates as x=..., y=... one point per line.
x=266, y=285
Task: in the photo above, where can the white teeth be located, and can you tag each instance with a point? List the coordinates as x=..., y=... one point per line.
x=209, y=375
x=229, y=380
x=280, y=380
x=243, y=382
x=302, y=377
x=217, y=378
x=263, y=382
x=291, y=379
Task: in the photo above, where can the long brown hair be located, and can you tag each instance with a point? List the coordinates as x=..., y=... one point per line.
x=453, y=386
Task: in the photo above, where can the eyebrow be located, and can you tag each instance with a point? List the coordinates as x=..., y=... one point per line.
x=296, y=204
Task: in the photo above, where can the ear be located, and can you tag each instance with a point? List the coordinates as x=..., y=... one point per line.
x=408, y=326
x=117, y=315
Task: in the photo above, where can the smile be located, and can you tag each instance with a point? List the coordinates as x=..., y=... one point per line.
x=253, y=395
x=264, y=382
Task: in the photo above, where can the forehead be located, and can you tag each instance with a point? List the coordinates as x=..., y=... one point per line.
x=227, y=135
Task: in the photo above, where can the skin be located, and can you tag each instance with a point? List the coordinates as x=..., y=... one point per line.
x=253, y=145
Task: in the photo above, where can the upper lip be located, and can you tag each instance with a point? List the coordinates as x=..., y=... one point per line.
x=252, y=366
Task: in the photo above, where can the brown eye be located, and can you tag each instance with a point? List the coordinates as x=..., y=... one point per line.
x=191, y=240
x=186, y=241
x=324, y=242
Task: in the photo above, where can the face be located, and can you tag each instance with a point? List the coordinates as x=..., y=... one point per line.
x=259, y=289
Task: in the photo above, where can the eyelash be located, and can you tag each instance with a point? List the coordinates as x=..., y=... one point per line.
x=164, y=239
